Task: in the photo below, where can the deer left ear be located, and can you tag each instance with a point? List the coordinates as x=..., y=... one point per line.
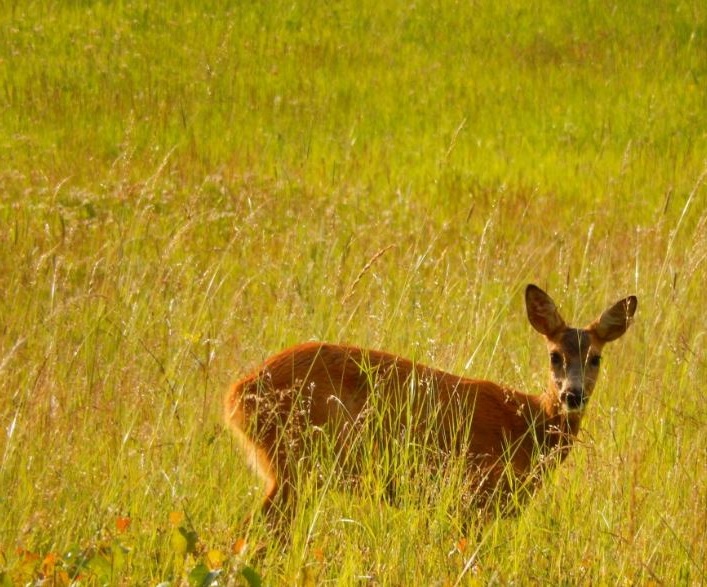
x=542, y=311
x=614, y=321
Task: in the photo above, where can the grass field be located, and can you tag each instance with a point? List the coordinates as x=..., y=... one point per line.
x=187, y=188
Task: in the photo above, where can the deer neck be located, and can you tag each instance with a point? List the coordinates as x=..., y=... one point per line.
x=559, y=427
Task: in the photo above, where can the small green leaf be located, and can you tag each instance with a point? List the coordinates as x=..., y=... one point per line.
x=252, y=576
x=183, y=540
x=101, y=567
x=5, y=580
x=120, y=554
x=201, y=576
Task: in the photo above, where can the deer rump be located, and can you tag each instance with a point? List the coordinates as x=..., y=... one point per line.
x=368, y=408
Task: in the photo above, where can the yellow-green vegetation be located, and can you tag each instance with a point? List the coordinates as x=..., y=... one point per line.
x=188, y=187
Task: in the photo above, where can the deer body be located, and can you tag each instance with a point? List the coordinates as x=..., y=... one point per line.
x=502, y=434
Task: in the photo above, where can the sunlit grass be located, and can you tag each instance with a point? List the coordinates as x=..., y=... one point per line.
x=186, y=189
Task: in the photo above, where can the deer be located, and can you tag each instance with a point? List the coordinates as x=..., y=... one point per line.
x=507, y=440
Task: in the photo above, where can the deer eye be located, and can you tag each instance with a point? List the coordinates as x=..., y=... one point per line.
x=555, y=359
x=595, y=360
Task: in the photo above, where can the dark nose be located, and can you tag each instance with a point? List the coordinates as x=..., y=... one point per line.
x=574, y=399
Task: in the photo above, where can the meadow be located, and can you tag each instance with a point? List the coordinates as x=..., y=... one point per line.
x=188, y=187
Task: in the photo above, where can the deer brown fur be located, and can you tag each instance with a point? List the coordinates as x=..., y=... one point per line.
x=507, y=438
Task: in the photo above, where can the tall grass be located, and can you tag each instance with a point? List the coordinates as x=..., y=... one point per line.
x=186, y=188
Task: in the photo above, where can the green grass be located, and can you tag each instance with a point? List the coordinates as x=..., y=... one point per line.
x=186, y=188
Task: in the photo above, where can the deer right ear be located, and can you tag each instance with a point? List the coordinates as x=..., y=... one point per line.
x=542, y=311
x=614, y=321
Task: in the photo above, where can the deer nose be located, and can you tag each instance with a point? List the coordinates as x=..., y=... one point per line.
x=574, y=398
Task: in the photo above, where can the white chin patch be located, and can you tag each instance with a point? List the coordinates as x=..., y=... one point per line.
x=574, y=409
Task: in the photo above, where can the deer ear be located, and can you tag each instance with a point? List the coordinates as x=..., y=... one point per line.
x=542, y=311
x=614, y=321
